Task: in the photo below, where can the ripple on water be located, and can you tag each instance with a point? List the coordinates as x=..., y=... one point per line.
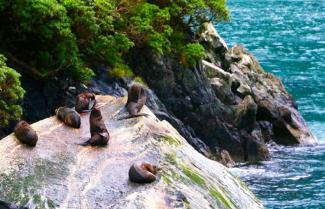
x=288, y=38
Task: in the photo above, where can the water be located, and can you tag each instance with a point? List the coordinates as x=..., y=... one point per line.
x=288, y=38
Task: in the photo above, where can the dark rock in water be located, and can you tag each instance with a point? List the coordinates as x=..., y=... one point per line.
x=256, y=151
x=224, y=158
x=266, y=130
x=223, y=99
x=245, y=114
x=5, y=205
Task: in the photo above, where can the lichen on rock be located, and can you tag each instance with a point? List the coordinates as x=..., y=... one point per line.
x=58, y=173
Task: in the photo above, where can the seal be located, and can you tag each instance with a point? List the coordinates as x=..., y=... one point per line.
x=85, y=102
x=137, y=97
x=25, y=133
x=68, y=116
x=142, y=172
x=98, y=131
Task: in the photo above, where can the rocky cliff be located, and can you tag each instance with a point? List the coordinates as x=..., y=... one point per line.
x=224, y=103
x=227, y=100
x=58, y=173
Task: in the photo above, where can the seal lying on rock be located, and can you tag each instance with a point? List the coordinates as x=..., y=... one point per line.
x=98, y=131
x=85, y=102
x=25, y=133
x=137, y=97
x=4, y=205
x=142, y=172
x=68, y=116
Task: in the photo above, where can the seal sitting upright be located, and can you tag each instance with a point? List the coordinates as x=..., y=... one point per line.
x=142, y=172
x=98, y=131
x=25, y=133
x=68, y=116
x=137, y=98
x=85, y=102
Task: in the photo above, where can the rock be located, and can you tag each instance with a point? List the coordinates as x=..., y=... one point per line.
x=5, y=205
x=245, y=114
x=224, y=158
x=266, y=130
x=274, y=104
x=43, y=97
x=212, y=71
x=256, y=151
x=211, y=103
x=213, y=43
x=188, y=95
x=224, y=98
x=58, y=173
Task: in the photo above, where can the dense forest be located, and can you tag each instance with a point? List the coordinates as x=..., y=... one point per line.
x=47, y=38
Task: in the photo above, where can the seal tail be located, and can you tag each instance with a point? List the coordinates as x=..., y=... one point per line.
x=133, y=116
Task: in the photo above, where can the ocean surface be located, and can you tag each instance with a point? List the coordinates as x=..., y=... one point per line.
x=288, y=38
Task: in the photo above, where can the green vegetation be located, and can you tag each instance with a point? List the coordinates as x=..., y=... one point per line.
x=47, y=38
x=189, y=175
x=166, y=180
x=120, y=71
x=191, y=53
x=171, y=158
x=25, y=184
x=10, y=93
x=219, y=197
x=169, y=139
x=194, y=176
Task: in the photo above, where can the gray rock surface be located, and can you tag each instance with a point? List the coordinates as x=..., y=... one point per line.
x=58, y=173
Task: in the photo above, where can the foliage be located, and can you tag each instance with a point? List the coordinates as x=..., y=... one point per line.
x=66, y=37
x=10, y=93
x=190, y=53
x=120, y=71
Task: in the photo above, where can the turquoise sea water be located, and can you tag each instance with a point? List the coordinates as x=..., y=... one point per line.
x=288, y=38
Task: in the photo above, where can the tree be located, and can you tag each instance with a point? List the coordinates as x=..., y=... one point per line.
x=48, y=38
x=10, y=93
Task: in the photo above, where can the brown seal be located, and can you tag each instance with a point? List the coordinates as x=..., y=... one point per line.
x=98, y=131
x=137, y=98
x=25, y=133
x=142, y=172
x=68, y=116
x=85, y=102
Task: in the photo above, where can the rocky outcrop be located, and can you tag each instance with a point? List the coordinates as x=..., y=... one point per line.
x=226, y=100
x=58, y=173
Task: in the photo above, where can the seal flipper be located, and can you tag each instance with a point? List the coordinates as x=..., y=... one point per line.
x=86, y=143
x=133, y=116
x=104, y=134
x=91, y=104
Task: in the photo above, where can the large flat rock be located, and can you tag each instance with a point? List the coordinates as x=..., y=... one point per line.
x=58, y=173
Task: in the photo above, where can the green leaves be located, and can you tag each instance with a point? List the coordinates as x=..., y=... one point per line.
x=191, y=53
x=10, y=93
x=66, y=37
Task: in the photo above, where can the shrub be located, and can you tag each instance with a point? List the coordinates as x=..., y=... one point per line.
x=10, y=93
x=66, y=37
x=192, y=52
